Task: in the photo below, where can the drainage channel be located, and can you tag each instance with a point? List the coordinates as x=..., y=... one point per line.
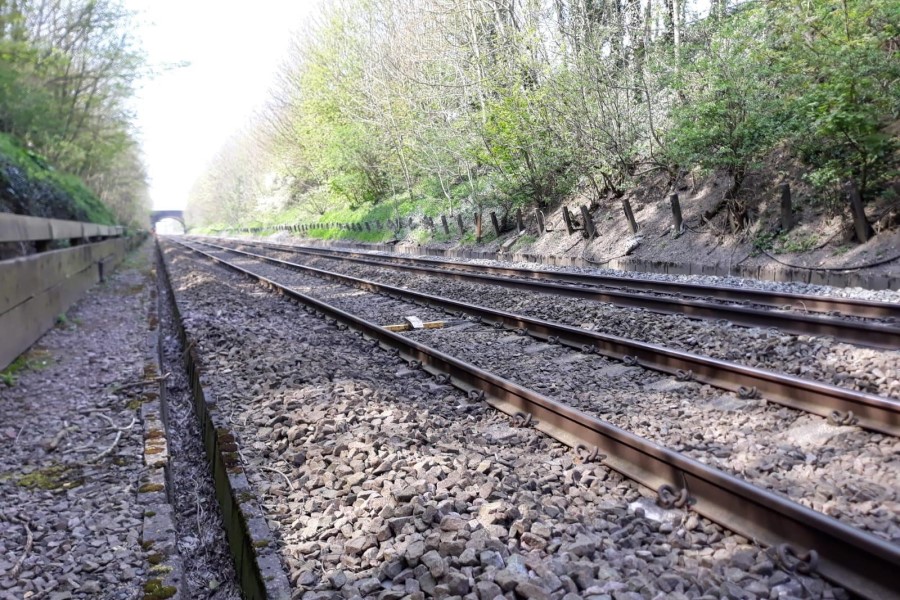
x=804, y=538
x=838, y=404
x=875, y=335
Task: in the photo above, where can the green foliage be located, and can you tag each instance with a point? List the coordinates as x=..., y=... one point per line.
x=820, y=77
x=734, y=114
x=390, y=108
x=524, y=241
x=844, y=64
x=533, y=167
x=34, y=360
x=29, y=185
x=785, y=242
x=66, y=75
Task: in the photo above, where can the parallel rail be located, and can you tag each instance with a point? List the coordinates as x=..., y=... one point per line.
x=861, y=563
x=861, y=333
x=872, y=411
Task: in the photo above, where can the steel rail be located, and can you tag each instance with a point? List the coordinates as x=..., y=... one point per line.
x=861, y=563
x=866, y=309
x=855, y=332
x=870, y=411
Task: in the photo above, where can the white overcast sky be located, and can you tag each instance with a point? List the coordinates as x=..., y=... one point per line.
x=185, y=115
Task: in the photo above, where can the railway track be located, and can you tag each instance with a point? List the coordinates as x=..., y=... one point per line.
x=854, y=559
x=861, y=322
x=869, y=410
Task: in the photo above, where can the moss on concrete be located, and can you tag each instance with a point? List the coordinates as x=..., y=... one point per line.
x=155, y=590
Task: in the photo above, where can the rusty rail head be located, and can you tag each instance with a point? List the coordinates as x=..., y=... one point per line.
x=862, y=333
x=870, y=411
x=862, y=563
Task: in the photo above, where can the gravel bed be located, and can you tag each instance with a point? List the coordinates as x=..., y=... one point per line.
x=818, y=358
x=70, y=520
x=208, y=565
x=381, y=483
x=737, y=282
x=845, y=472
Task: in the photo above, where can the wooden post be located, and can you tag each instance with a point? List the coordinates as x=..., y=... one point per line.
x=676, y=214
x=787, y=213
x=567, y=218
x=495, y=223
x=478, y=228
x=459, y=220
x=540, y=220
x=630, y=215
x=520, y=226
x=444, y=223
x=589, y=230
x=860, y=223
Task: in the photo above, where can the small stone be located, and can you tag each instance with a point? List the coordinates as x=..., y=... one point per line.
x=368, y=585
x=743, y=559
x=414, y=552
x=435, y=563
x=531, y=591
x=426, y=581
x=491, y=558
x=398, y=523
x=307, y=579
x=453, y=523
x=338, y=579
x=468, y=558
x=360, y=544
x=778, y=577
x=669, y=582
x=533, y=542
x=507, y=580
x=392, y=569
x=90, y=587
x=406, y=494
x=583, y=546
x=487, y=590
x=541, y=530
x=457, y=584
x=764, y=568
